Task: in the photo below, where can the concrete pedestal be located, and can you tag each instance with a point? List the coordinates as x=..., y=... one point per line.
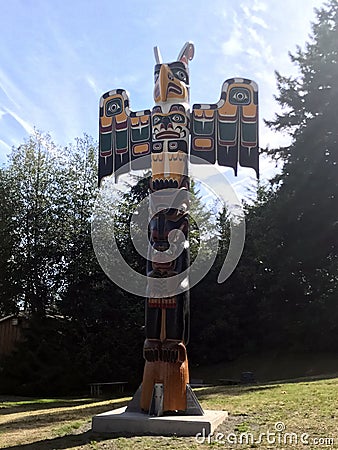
x=120, y=421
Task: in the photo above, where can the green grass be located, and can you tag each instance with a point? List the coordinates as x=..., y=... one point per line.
x=68, y=428
x=242, y=427
x=40, y=401
x=303, y=407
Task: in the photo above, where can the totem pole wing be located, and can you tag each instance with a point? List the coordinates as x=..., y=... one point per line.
x=203, y=133
x=227, y=131
x=124, y=136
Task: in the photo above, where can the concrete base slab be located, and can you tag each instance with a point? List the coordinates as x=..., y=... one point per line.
x=120, y=421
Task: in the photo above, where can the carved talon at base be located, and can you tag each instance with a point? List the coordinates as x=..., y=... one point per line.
x=174, y=352
x=168, y=351
x=152, y=350
x=172, y=373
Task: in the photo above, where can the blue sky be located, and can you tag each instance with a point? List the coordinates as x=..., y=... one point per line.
x=58, y=56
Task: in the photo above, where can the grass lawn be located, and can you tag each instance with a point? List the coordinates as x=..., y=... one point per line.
x=307, y=408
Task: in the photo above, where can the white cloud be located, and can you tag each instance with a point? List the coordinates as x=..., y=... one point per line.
x=253, y=52
x=90, y=80
x=248, y=35
x=259, y=6
x=4, y=146
x=255, y=37
x=259, y=21
x=11, y=91
x=25, y=125
x=254, y=18
x=234, y=45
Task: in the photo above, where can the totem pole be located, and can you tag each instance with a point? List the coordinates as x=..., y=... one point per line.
x=164, y=140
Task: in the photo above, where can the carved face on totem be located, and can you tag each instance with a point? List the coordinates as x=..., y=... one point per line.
x=171, y=82
x=172, y=126
x=170, y=122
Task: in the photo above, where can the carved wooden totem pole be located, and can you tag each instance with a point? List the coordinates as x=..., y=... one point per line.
x=164, y=140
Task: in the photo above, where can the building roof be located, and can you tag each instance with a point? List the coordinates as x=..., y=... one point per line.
x=12, y=316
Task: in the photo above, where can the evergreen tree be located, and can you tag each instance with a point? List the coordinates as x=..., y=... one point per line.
x=305, y=213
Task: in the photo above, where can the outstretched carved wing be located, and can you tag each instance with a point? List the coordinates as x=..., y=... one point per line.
x=124, y=136
x=227, y=131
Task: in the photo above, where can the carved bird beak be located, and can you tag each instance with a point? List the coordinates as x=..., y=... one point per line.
x=164, y=79
x=167, y=87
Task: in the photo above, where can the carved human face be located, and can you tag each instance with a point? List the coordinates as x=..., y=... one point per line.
x=173, y=125
x=169, y=146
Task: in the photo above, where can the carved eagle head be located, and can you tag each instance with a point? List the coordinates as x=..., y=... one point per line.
x=172, y=79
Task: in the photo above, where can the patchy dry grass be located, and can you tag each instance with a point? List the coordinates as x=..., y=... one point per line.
x=302, y=407
x=33, y=420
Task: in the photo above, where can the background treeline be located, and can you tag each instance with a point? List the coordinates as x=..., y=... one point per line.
x=283, y=294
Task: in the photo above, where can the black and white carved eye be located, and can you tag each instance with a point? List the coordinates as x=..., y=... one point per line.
x=113, y=107
x=156, y=75
x=177, y=118
x=240, y=96
x=180, y=74
x=156, y=120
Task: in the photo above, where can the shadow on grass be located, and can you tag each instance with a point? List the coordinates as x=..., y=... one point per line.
x=36, y=420
x=65, y=442
x=231, y=391
x=33, y=406
x=307, y=379
x=239, y=389
x=74, y=440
